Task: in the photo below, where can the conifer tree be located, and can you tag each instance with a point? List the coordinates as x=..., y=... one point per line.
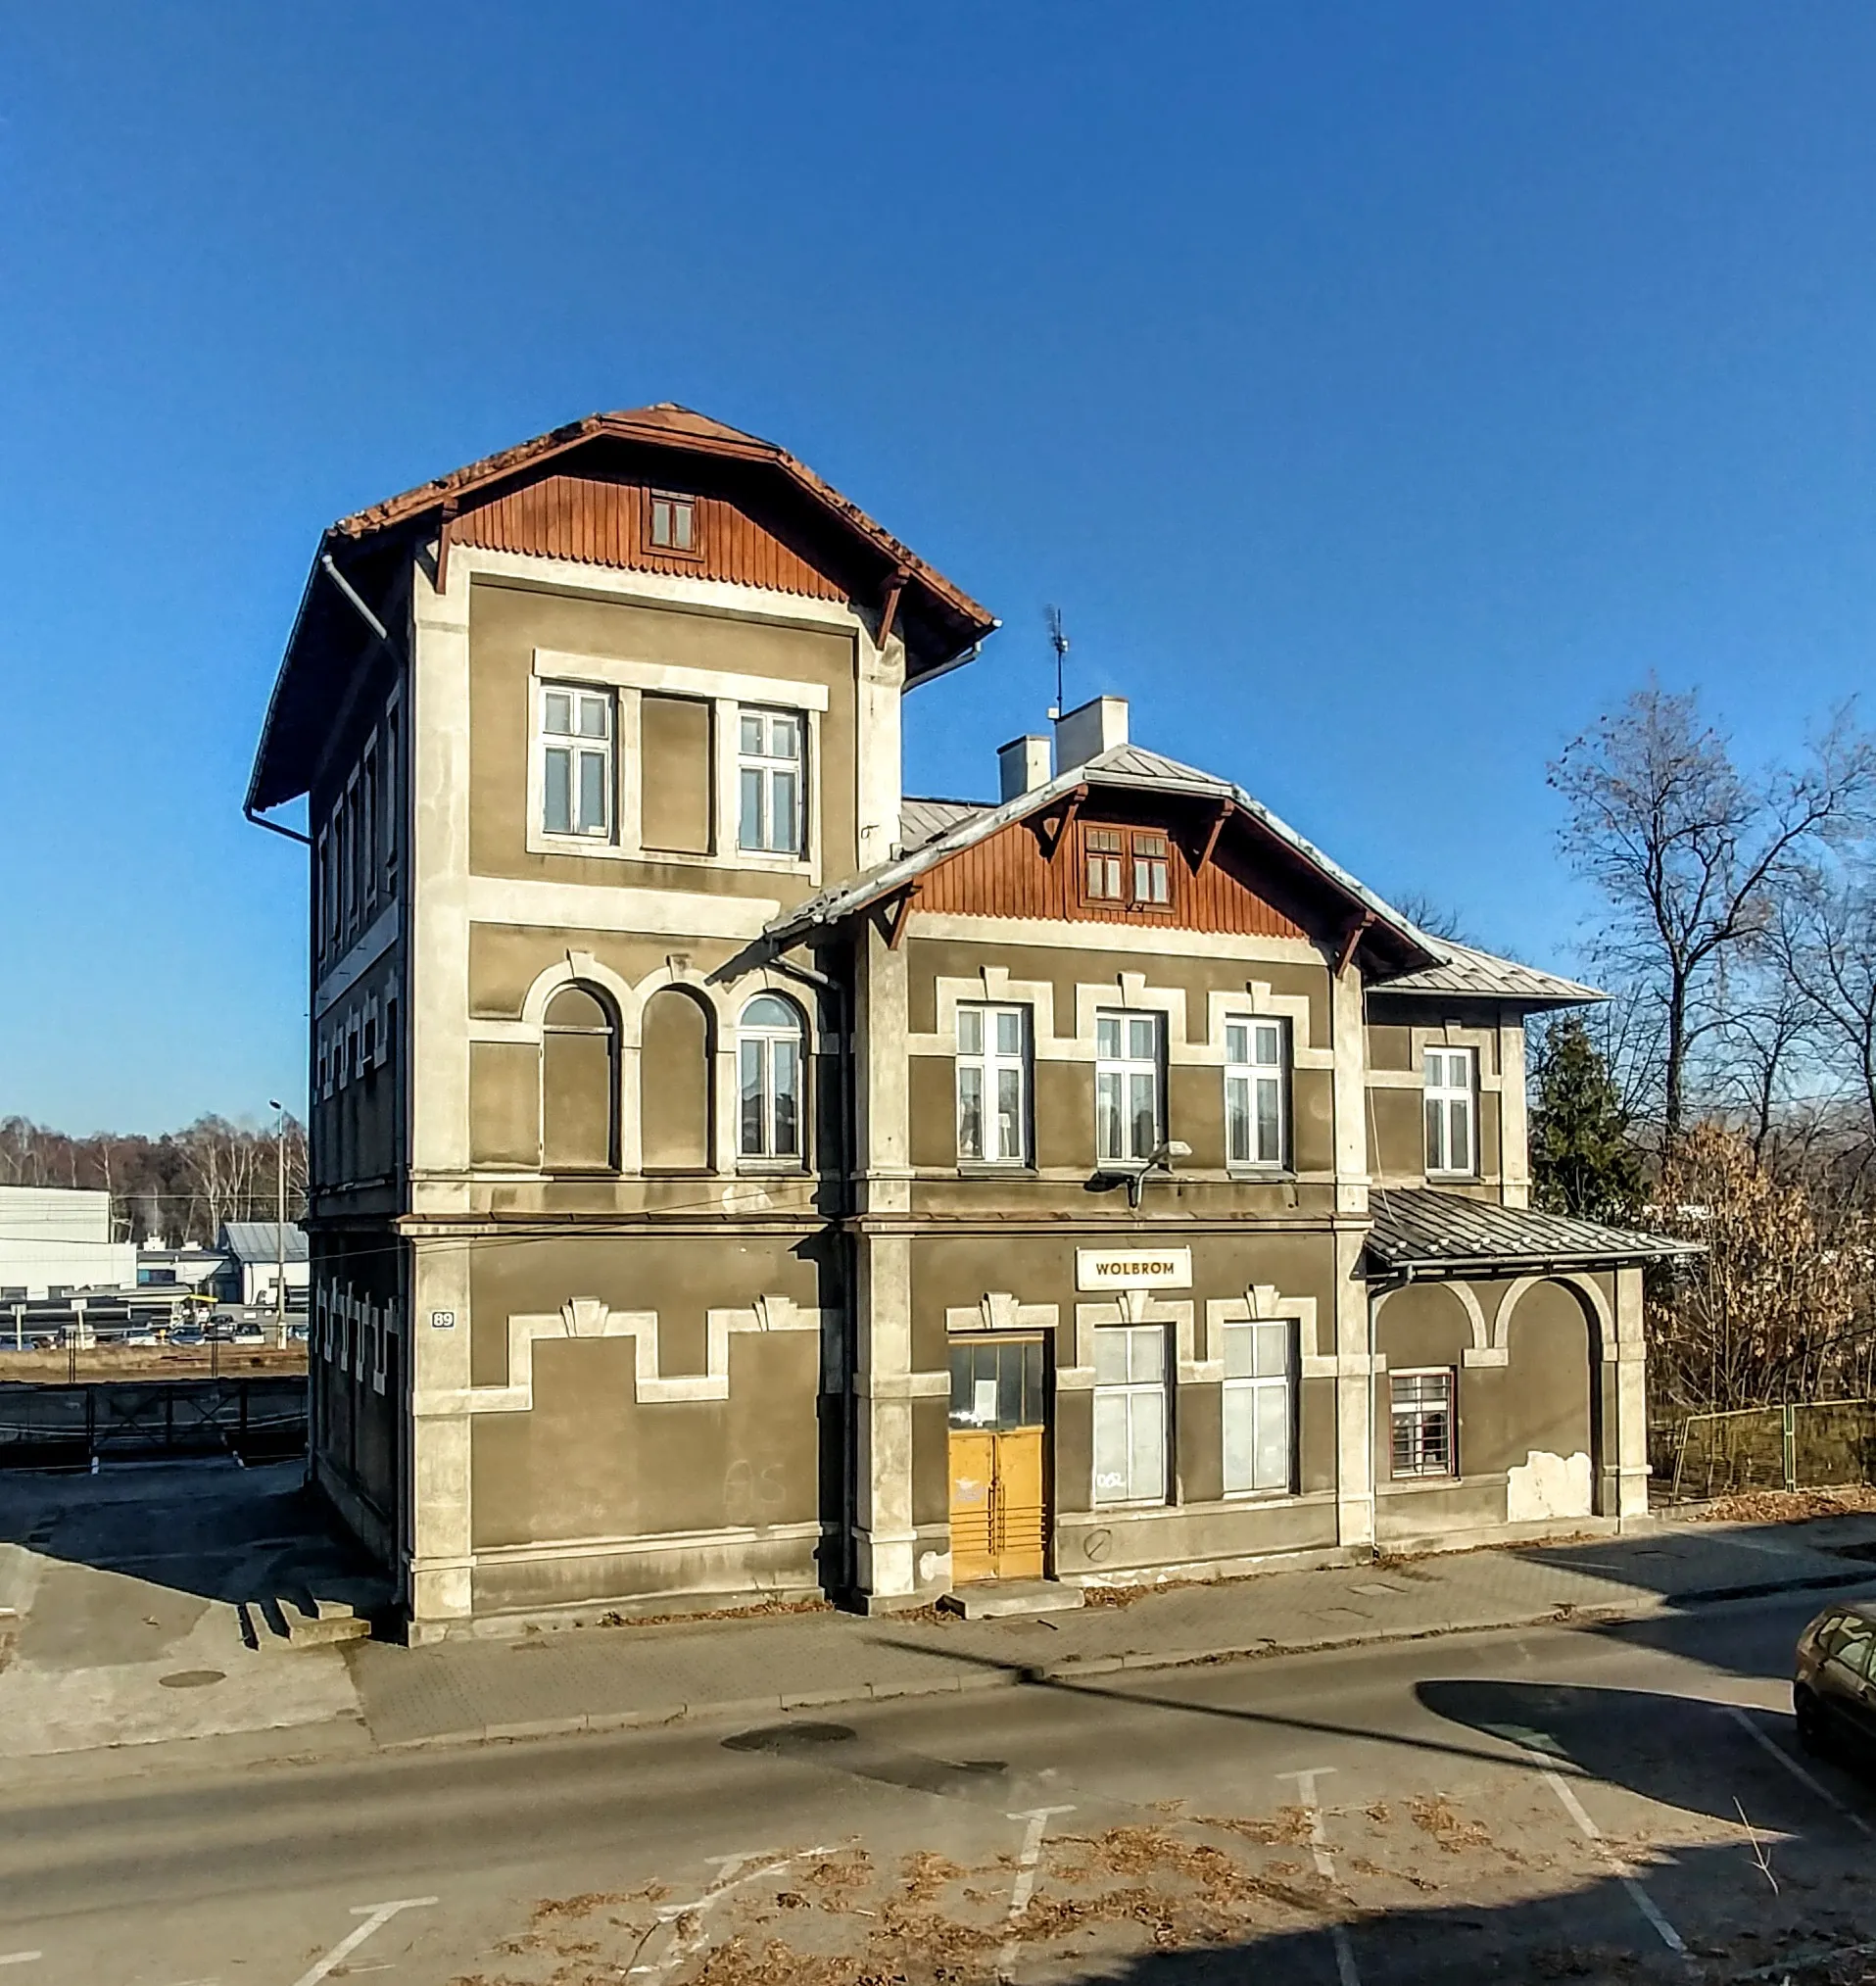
x=1583, y=1161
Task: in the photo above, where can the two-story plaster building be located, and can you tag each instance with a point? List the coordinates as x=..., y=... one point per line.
x=732, y=1178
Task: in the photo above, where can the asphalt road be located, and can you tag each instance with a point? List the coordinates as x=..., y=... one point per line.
x=1613, y=1804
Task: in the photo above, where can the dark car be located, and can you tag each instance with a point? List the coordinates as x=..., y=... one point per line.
x=1834, y=1689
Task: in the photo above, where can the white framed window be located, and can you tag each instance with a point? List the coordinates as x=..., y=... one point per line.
x=992, y=1085
x=1129, y=1414
x=769, y=1079
x=1129, y=1092
x=578, y=774
x=1450, y=1139
x=771, y=778
x=1258, y=1413
x=1425, y=1438
x=1256, y=1092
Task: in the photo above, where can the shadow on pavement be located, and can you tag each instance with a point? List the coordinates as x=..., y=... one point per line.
x=209, y=1529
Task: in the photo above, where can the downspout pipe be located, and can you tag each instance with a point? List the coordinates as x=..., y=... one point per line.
x=1398, y=1280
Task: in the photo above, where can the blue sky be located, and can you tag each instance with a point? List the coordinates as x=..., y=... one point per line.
x=1381, y=390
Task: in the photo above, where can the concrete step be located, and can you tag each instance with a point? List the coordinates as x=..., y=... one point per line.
x=999, y=1599
x=307, y=1621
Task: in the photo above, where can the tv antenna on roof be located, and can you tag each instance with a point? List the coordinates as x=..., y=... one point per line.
x=1059, y=642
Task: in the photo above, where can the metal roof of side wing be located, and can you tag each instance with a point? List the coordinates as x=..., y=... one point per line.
x=1125, y=766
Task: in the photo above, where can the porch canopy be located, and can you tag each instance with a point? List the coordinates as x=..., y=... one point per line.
x=1421, y=1232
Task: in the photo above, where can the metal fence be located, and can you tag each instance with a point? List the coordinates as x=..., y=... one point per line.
x=1809, y=1444
x=259, y=1420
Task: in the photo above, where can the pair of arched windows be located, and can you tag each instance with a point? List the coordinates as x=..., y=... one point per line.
x=580, y=1081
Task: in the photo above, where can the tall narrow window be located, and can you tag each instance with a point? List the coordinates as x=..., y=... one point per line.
x=1256, y=1092
x=770, y=755
x=368, y=871
x=1451, y=1147
x=579, y=1083
x=355, y=855
x=769, y=1070
x=1129, y=1414
x=673, y=522
x=1152, y=885
x=1421, y=1407
x=1258, y=1413
x=1129, y=1120
x=1103, y=847
x=992, y=1085
x=576, y=761
x=388, y=786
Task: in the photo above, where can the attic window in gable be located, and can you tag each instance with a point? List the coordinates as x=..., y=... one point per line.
x=1127, y=867
x=671, y=523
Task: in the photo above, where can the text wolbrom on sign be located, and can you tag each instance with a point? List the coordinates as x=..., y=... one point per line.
x=1133, y=1269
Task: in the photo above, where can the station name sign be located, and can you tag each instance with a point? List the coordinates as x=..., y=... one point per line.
x=1133, y=1269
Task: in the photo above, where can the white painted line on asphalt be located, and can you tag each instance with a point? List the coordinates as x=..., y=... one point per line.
x=20, y=1958
x=733, y=1872
x=1746, y=1723
x=1021, y=1891
x=376, y=1917
x=1325, y=1864
x=1593, y=1834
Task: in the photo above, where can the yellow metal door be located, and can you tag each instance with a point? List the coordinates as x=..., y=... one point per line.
x=1017, y=1490
x=973, y=1506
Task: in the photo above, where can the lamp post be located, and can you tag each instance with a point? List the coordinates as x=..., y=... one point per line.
x=279, y=1222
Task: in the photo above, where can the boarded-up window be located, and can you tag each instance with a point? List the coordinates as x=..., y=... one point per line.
x=579, y=1063
x=674, y=758
x=674, y=1082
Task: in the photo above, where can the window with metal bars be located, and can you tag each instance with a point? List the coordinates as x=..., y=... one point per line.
x=1421, y=1407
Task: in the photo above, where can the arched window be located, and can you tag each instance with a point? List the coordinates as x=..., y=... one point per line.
x=674, y=1083
x=769, y=1066
x=579, y=1083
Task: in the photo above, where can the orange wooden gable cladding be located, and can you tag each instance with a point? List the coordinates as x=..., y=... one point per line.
x=1008, y=875
x=603, y=523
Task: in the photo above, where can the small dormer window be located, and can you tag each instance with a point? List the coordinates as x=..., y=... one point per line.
x=1127, y=868
x=673, y=522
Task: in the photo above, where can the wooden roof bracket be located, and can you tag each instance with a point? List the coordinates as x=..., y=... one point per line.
x=1225, y=809
x=1356, y=933
x=443, y=521
x=890, y=607
x=900, y=915
x=1053, y=826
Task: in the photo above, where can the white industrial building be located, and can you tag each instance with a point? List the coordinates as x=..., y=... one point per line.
x=56, y=1240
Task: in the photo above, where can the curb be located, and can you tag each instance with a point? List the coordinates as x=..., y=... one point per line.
x=1072, y=1669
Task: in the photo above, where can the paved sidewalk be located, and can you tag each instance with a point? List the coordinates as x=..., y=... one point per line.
x=120, y=1628
x=597, y=1678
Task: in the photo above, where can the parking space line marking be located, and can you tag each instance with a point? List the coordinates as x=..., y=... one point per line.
x=376, y=1917
x=1617, y=1866
x=1324, y=1863
x=1021, y=1891
x=733, y=1871
x=1746, y=1722
x=20, y=1958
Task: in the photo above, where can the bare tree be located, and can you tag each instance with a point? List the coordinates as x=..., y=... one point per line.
x=1691, y=853
x=1827, y=943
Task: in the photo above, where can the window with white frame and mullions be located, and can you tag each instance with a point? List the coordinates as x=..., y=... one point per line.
x=576, y=761
x=1425, y=1436
x=1129, y=1414
x=992, y=1085
x=1130, y=1123
x=1257, y=1092
x=771, y=781
x=1259, y=1408
x=1451, y=1147
x=769, y=1039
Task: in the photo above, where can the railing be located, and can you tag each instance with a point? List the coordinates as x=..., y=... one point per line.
x=1806, y=1444
x=258, y=1419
